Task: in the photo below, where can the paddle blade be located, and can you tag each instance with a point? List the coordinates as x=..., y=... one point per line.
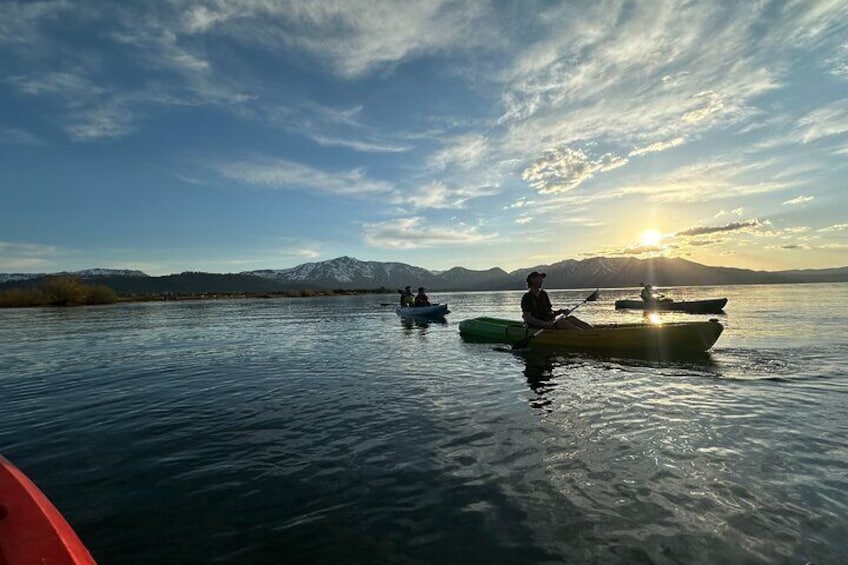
x=594, y=296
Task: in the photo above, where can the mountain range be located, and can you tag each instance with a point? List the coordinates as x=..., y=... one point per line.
x=347, y=273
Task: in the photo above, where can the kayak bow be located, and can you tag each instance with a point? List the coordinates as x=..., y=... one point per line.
x=32, y=530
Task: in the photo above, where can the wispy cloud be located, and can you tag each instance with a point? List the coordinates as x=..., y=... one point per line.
x=714, y=179
x=329, y=126
x=72, y=85
x=285, y=248
x=102, y=92
x=26, y=257
x=356, y=145
x=812, y=23
x=798, y=200
x=103, y=122
x=835, y=227
x=20, y=22
x=657, y=146
x=465, y=151
x=837, y=64
x=734, y=212
x=16, y=136
x=824, y=122
x=605, y=76
x=350, y=38
x=284, y=174
x=411, y=233
x=437, y=194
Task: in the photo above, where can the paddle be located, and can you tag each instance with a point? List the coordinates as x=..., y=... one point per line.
x=526, y=341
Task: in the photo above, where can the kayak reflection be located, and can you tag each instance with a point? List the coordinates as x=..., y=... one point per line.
x=410, y=322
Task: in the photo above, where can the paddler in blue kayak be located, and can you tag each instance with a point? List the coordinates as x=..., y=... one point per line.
x=421, y=298
x=537, y=311
x=406, y=297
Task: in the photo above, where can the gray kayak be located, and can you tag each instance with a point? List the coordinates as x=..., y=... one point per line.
x=711, y=306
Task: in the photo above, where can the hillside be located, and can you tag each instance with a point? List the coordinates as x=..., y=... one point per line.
x=347, y=273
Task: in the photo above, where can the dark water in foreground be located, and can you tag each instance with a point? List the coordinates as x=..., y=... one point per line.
x=326, y=430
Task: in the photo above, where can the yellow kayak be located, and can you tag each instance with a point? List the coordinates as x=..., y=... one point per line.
x=678, y=337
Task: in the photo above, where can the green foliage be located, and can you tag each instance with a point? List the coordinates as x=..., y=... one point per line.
x=58, y=291
x=101, y=295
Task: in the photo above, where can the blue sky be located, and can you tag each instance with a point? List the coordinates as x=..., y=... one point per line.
x=233, y=135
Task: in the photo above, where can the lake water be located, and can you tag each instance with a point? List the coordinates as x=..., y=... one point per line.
x=327, y=430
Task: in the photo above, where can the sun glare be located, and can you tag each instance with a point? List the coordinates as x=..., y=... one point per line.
x=650, y=238
x=654, y=319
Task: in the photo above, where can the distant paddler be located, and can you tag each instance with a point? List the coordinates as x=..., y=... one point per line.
x=649, y=294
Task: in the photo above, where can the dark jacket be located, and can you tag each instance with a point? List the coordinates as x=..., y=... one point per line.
x=538, y=306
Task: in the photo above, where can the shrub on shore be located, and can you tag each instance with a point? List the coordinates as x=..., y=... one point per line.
x=58, y=291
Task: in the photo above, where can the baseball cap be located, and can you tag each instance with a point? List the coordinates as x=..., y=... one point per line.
x=535, y=274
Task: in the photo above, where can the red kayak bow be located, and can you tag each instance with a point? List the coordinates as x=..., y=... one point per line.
x=31, y=529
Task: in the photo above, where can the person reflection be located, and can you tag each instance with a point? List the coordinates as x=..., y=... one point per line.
x=538, y=370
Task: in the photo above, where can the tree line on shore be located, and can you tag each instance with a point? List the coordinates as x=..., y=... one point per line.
x=58, y=291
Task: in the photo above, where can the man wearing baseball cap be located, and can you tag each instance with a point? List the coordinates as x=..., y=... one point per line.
x=537, y=311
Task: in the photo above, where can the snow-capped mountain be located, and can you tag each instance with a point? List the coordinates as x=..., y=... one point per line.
x=108, y=273
x=16, y=277
x=348, y=272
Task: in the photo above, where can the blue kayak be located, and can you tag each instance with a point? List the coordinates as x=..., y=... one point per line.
x=432, y=311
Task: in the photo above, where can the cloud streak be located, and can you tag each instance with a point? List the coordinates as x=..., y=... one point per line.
x=26, y=257
x=287, y=175
x=16, y=136
x=413, y=233
x=798, y=200
x=735, y=226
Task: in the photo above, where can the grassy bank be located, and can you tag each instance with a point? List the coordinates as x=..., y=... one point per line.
x=70, y=291
x=58, y=291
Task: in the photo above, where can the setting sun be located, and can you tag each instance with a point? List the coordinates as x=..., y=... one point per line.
x=650, y=238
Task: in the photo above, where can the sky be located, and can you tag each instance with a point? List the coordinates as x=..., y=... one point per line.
x=234, y=135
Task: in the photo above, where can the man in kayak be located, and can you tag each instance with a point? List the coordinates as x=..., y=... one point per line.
x=537, y=311
x=421, y=298
x=649, y=294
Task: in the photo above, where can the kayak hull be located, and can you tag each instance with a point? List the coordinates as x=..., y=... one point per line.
x=32, y=530
x=711, y=306
x=673, y=338
x=432, y=311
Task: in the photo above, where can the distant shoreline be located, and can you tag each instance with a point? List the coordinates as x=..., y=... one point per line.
x=21, y=298
x=174, y=296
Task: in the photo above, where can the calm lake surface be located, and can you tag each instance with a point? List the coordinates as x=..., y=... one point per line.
x=326, y=430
